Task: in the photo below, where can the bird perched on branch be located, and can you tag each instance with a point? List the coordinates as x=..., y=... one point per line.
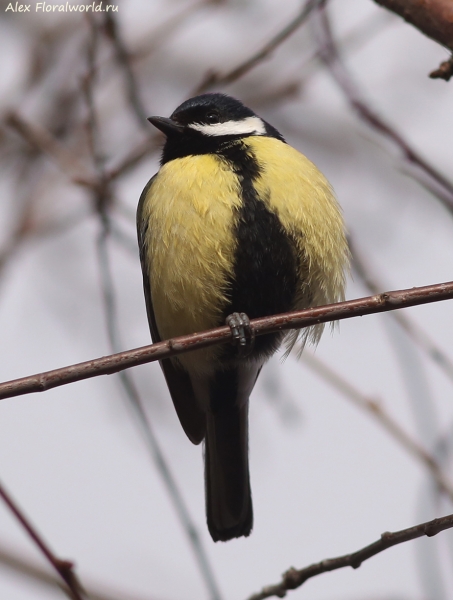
x=236, y=224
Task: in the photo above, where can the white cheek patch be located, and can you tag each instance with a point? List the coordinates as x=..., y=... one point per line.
x=248, y=125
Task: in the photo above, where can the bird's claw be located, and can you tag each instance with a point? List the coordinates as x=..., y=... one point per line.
x=243, y=334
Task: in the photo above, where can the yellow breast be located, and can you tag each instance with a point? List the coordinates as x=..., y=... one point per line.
x=190, y=211
x=295, y=189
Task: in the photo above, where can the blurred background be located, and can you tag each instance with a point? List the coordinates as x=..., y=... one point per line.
x=345, y=444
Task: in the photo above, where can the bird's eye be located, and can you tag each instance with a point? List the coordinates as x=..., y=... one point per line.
x=212, y=116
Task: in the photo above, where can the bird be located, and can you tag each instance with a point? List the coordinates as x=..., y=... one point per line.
x=236, y=224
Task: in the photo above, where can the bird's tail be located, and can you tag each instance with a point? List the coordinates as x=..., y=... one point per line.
x=228, y=497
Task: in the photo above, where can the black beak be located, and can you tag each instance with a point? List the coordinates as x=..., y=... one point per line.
x=167, y=126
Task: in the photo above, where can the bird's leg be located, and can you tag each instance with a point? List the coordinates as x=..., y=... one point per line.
x=243, y=334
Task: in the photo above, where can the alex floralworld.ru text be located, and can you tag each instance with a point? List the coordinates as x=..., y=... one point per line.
x=66, y=7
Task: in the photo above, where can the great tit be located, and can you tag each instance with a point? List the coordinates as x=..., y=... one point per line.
x=235, y=221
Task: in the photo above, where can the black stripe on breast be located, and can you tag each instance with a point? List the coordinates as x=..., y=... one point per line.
x=266, y=261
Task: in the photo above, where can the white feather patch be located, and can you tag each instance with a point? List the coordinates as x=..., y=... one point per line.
x=248, y=125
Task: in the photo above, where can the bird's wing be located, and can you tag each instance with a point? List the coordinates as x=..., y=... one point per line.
x=189, y=412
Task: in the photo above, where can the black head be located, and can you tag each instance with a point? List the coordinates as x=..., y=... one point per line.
x=202, y=124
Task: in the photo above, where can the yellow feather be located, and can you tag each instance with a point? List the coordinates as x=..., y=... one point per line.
x=190, y=210
x=294, y=189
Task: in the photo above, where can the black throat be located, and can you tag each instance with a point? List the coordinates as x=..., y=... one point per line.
x=194, y=143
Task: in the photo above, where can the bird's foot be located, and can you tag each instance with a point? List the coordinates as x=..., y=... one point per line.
x=243, y=334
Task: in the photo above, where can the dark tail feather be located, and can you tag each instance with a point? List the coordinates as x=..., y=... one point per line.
x=228, y=497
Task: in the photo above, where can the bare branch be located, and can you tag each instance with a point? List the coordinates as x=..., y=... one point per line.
x=360, y=35
x=167, y=28
x=143, y=149
x=41, y=139
x=113, y=33
x=375, y=408
x=38, y=137
x=293, y=320
x=215, y=79
x=422, y=170
x=294, y=578
x=434, y=18
x=16, y=562
x=415, y=332
x=444, y=70
x=64, y=568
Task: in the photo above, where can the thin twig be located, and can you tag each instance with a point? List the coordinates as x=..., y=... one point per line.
x=64, y=568
x=88, y=82
x=362, y=34
x=165, y=29
x=415, y=332
x=122, y=55
x=444, y=70
x=41, y=139
x=141, y=150
x=375, y=408
x=294, y=578
x=26, y=568
x=216, y=79
x=423, y=171
x=24, y=231
x=292, y=320
x=101, y=190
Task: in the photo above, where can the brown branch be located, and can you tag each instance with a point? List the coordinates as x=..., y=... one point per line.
x=26, y=568
x=41, y=139
x=415, y=332
x=434, y=18
x=113, y=33
x=142, y=150
x=294, y=578
x=444, y=70
x=167, y=28
x=376, y=410
x=101, y=189
x=216, y=79
x=360, y=35
x=87, y=83
x=426, y=174
x=64, y=568
x=293, y=320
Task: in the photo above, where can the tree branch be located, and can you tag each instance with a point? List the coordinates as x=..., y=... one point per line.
x=40, y=138
x=294, y=578
x=113, y=33
x=107, y=365
x=15, y=562
x=375, y=408
x=427, y=175
x=434, y=18
x=413, y=330
x=216, y=79
x=64, y=568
